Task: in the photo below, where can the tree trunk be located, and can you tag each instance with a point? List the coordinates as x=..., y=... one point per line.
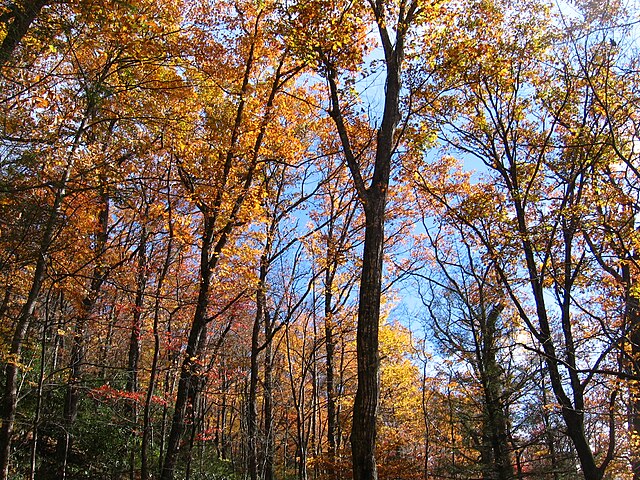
x=365, y=407
x=252, y=409
x=331, y=400
x=10, y=397
x=78, y=349
x=268, y=402
x=135, y=343
x=22, y=17
x=145, y=473
x=41, y=375
x=136, y=325
x=572, y=412
x=190, y=370
x=374, y=200
x=632, y=314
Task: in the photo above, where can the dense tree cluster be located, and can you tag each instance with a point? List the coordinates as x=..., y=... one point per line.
x=319, y=239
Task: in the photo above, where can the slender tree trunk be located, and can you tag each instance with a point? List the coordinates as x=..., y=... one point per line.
x=12, y=369
x=635, y=395
x=632, y=314
x=78, y=348
x=10, y=399
x=268, y=402
x=297, y=398
x=136, y=325
x=331, y=400
x=572, y=412
x=425, y=419
x=329, y=359
x=313, y=427
x=252, y=408
x=190, y=370
x=38, y=412
x=145, y=471
x=134, y=343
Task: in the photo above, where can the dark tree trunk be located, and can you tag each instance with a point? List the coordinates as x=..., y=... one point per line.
x=190, y=370
x=20, y=17
x=135, y=342
x=365, y=407
x=331, y=397
x=268, y=402
x=374, y=200
x=572, y=411
x=253, y=434
x=136, y=325
x=145, y=471
x=214, y=239
x=78, y=348
x=252, y=409
x=12, y=369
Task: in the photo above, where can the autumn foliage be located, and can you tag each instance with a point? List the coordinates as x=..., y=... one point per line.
x=319, y=239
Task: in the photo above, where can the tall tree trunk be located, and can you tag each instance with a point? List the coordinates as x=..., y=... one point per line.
x=331, y=396
x=572, y=411
x=190, y=370
x=135, y=343
x=78, y=348
x=374, y=200
x=632, y=314
x=252, y=408
x=214, y=239
x=268, y=401
x=41, y=375
x=253, y=434
x=12, y=369
x=365, y=407
x=145, y=471
x=136, y=324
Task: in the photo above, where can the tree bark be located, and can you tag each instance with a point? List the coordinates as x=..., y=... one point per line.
x=252, y=410
x=145, y=471
x=374, y=200
x=365, y=407
x=190, y=370
x=78, y=349
x=21, y=18
x=269, y=447
x=12, y=369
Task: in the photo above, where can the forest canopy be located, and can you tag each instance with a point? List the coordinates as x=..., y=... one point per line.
x=319, y=239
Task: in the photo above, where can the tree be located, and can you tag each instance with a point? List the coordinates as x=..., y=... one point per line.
x=225, y=205
x=285, y=190
x=468, y=322
x=331, y=43
x=600, y=55
x=17, y=20
x=512, y=120
x=335, y=252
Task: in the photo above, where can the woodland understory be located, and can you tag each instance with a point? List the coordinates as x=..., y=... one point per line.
x=319, y=239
